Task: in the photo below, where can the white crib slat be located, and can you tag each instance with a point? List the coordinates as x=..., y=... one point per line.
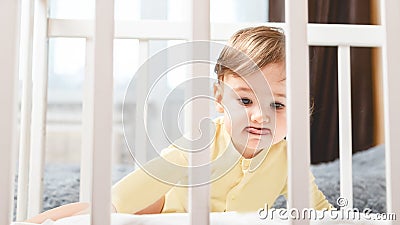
x=318, y=34
x=223, y=31
x=102, y=112
x=141, y=91
x=297, y=81
x=199, y=196
x=87, y=125
x=25, y=72
x=345, y=134
x=39, y=107
x=9, y=25
x=164, y=30
x=391, y=80
x=345, y=34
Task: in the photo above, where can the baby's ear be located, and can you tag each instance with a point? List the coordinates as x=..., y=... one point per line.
x=218, y=92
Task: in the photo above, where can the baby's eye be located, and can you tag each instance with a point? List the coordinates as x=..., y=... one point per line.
x=245, y=101
x=277, y=105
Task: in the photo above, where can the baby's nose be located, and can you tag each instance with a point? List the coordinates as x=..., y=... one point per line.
x=259, y=116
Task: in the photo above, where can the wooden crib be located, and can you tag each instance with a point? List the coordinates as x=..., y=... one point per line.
x=18, y=18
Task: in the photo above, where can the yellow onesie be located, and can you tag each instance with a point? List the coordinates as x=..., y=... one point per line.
x=239, y=184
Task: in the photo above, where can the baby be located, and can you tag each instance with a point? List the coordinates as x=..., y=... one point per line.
x=248, y=152
x=249, y=138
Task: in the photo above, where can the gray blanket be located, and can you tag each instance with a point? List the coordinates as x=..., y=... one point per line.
x=369, y=184
x=62, y=181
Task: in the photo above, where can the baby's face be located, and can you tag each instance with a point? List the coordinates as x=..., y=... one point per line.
x=254, y=108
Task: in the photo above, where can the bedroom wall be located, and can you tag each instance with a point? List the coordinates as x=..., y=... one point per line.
x=379, y=137
x=64, y=145
x=323, y=80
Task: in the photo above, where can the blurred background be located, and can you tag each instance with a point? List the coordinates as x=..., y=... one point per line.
x=67, y=59
x=69, y=54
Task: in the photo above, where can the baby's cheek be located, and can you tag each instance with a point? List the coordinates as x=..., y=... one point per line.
x=228, y=125
x=281, y=129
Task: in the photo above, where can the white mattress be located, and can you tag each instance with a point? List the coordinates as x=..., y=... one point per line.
x=230, y=218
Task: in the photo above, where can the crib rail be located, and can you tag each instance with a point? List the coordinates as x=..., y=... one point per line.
x=97, y=109
x=39, y=108
x=297, y=90
x=391, y=78
x=9, y=24
x=199, y=204
x=345, y=134
x=25, y=65
x=100, y=103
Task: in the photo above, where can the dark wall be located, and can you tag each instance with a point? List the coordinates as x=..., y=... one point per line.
x=323, y=79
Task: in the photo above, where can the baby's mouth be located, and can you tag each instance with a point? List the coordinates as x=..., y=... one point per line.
x=258, y=131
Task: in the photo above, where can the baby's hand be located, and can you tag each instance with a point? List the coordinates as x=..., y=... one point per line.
x=83, y=212
x=87, y=211
x=60, y=212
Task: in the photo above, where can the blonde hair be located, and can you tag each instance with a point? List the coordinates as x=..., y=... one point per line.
x=250, y=49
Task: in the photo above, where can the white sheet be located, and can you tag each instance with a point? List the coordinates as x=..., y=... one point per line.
x=230, y=218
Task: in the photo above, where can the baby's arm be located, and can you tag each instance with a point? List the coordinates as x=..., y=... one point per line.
x=319, y=201
x=80, y=208
x=143, y=190
x=137, y=193
x=60, y=212
x=154, y=208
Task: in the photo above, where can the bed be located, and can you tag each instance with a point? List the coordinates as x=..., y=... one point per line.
x=62, y=187
x=230, y=218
